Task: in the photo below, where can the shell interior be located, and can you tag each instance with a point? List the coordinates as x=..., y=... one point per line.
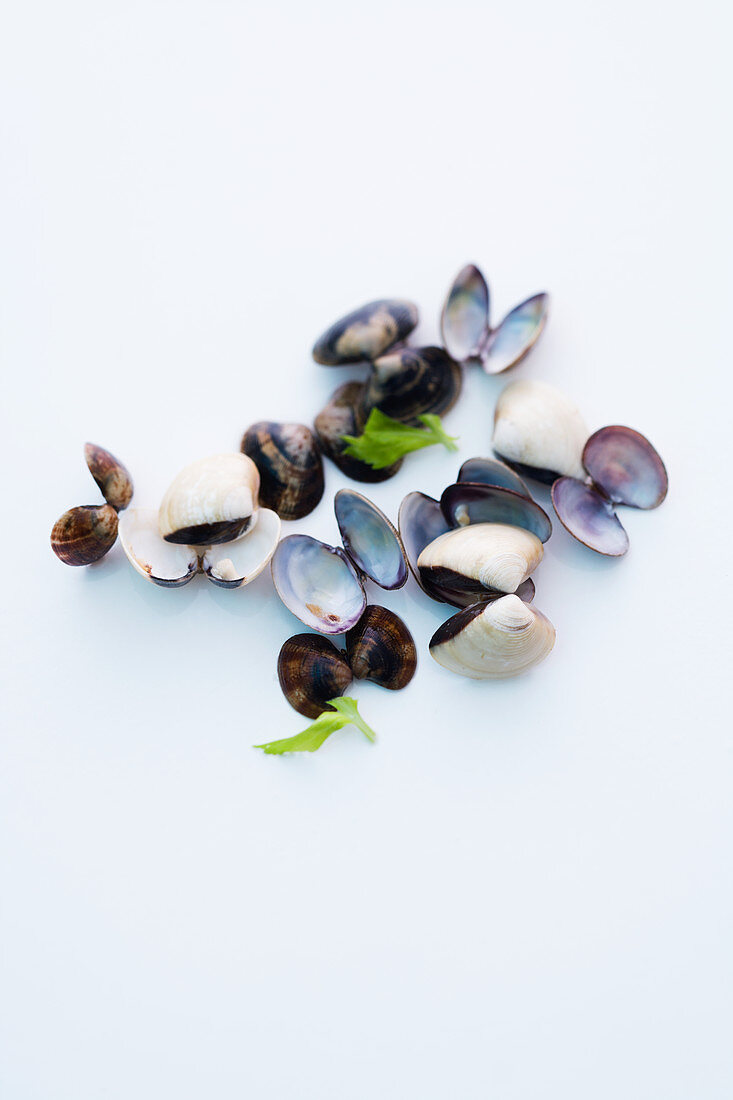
x=420, y=520
x=516, y=334
x=464, y=322
x=318, y=584
x=589, y=517
x=466, y=502
x=626, y=466
x=370, y=540
x=164, y=563
x=290, y=466
x=233, y=564
x=490, y=471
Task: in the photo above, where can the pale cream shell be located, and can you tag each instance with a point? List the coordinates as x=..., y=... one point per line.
x=537, y=425
x=239, y=562
x=507, y=638
x=219, y=489
x=495, y=554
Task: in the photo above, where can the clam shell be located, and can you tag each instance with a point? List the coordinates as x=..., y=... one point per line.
x=495, y=554
x=466, y=502
x=345, y=415
x=312, y=671
x=537, y=428
x=366, y=333
x=113, y=479
x=381, y=649
x=626, y=466
x=161, y=562
x=370, y=540
x=234, y=564
x=290, y=465
x=490, y=471
x=464, y=322
x=410, y=382
x=447, y=586
x=84, y=534
x=493, y=641
x=516, y=335
x=210, y=501
x=589, y=517
x=420, y=520
x=318, y=583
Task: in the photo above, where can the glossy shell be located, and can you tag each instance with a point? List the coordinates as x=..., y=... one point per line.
x=493, y=641
x=366, y=333
x=311, y=671
x=318, y=584
x=464, y=323
x=589, y=516
x=539, y=428
x=290, y=465
x=113, y=479
x=84, y=534
x=420, y=520
x=490, y=471
x=626, y=466
x=370, y=540
x=497, y=555
x=467, y=502
x=151, y=556
x=345, y=415
x=210, y=501
x=516, y=335
x=381, y=649
x=410, y=382
x=234, y=564
x=447, y=586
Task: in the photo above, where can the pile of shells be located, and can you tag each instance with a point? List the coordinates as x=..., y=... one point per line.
x=86, y=533
x=209, y=522
x=541, y=434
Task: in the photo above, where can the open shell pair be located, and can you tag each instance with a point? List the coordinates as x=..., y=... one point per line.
x=86, y=533
x=208, y=522
x=466, y=328
x=542, y=434
x=379, y=647
x=323, y=585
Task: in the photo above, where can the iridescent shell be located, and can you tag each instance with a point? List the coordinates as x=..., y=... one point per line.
x=516, y=335
x=464, y=323
x=370, y=539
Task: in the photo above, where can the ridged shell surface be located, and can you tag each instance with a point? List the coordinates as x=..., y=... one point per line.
x=290, y=465
x=493, y=641
x=210, y=501
x=311, y=671
x=84, y=534
x=498, y=555
x=382, y=649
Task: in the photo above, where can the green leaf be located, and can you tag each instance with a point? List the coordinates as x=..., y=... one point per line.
x=384, y=440
x=346, y=713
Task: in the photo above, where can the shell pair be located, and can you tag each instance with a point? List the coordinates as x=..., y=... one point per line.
x=476, y=549
x=466, y=328
x=541, y=433
x=404, y=382
x=379, y=647
x=209, y=521
x=86, y=533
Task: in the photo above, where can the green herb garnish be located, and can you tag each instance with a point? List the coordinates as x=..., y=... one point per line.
x=384, y=440
x=345, y=713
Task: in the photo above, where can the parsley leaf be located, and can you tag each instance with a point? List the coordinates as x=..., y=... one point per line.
x=384, y=440
x=346, y=713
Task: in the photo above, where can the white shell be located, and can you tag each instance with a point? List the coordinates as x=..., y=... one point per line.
x=217, y=491
x=495, y=554
x=537, y=425
x=493, y=641
x=233, y=564
x=151, y=556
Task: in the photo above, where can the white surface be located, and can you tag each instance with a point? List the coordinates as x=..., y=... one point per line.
x=523, y=891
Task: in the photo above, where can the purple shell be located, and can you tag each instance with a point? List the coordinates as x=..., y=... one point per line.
x=516, y=335
x=626, y=466
x=466, y=502
x=464, y=323
x=589, y=517
x=420, y=520
x=318, y=584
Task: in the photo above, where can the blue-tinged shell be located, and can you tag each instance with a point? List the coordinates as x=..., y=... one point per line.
x=516, y=335
x=464, y=322
x=370, y=540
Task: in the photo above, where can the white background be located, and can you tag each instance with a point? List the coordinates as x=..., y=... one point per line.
x=523, y=890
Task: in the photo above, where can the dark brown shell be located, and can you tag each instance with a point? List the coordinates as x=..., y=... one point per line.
x=410, y=382
x=290, y=465
x=366, y=332
x=381, y=649
x=84, y=535
x=345, y=414
x=113, y=479
x=312, y=671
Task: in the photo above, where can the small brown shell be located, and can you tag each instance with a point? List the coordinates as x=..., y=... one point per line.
x=381, y=649
x=290, y=465
x=311, y=671
x=84, y=535
x=345, y=414
x=111, y=476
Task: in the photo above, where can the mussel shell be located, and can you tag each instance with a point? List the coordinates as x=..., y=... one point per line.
x=210, y=501
x=447, y=586
x=410, y=382
x=516, y=335
x=234, y=564
x=626, y=466
x=370, y=539
x=420, y=520
x=161, y=562
x=493, y=641
x=312, y=671
x=490, y=471
x=381, y=649
x=113, y=479
x=318, y=584
x=345, y=415
x=366, y=333
x=467, y=502
x=290, y=465
x=464, y=322
x=84, y=534
x=589, y=517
